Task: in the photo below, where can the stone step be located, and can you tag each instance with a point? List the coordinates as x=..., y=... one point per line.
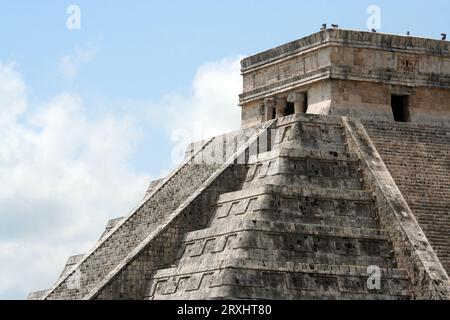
x=194, y=258
x=298, y=205
x=291, y=191
x=246, y=278
x=305, y=171
x=251, y=264
x=302, y=153
x=322, y=218
x=306, y=243
x=242, y=223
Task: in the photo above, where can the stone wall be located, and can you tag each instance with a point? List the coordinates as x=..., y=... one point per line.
x=355, y=38
x=430, y=106
x=275, y=77
x=370, y=100
x=252, y=114
x=361, y=100
x=397, y=66
x=352, y=73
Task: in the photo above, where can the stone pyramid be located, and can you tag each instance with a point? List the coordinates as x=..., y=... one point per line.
x=297, y=206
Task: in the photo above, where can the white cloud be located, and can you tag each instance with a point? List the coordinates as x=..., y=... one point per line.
x=65, y=173
x=70, y=64
x=210, y=109
x=211, y=106
x=214, y=102
x=63, y=176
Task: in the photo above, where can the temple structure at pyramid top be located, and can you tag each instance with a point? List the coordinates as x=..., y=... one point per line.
x=350, y=73
x=337, y=186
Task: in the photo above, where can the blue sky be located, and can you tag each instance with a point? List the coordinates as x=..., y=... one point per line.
x=87, y=115
x=150, y=48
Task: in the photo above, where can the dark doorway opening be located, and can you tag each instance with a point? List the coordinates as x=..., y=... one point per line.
x=274, y=113
x=400, y=108
x=305, y=103
x=289, y=109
